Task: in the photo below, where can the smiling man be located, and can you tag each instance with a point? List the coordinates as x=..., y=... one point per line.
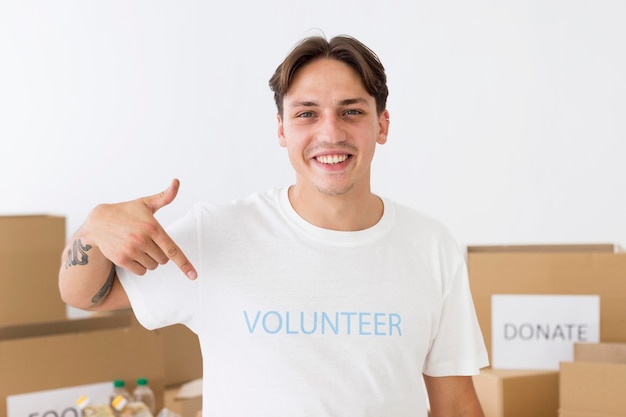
x=330, y=126
x=315, y=299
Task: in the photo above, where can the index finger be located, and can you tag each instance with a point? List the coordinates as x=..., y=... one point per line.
x=175, y=254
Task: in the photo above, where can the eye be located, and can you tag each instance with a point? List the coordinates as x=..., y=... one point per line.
x=352, y=112
x=305, y=115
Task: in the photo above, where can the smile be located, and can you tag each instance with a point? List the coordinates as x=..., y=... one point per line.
x=331, y=159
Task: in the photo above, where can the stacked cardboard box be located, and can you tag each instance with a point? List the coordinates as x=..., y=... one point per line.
x=593, y=385
x=562, y=269
x=67, y=353
x=40, y=349
x=181, y=355
x=30, y=256
x=515, y=393
x=185, y=400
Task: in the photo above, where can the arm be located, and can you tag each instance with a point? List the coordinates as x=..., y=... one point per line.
x=124, y=234
x=452, y=396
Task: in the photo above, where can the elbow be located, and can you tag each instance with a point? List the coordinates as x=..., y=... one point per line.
x=69, y=293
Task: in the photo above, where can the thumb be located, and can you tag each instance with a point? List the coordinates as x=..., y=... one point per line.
x=162, y=199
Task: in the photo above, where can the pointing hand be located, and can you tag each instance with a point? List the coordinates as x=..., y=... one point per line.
x=130, y=236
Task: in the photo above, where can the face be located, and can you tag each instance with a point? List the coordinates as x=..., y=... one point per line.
x=330, y=128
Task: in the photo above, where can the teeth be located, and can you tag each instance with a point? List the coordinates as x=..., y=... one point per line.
x=331, y=159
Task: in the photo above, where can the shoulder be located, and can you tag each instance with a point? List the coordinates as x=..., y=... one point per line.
x=425, y=233
x=255, y=201
x=416, y=221
x=256, y=206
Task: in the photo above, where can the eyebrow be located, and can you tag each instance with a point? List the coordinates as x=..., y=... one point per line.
x=350, y=101
x=345, y=102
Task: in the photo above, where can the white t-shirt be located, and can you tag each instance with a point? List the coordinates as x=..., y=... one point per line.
x=295, y=320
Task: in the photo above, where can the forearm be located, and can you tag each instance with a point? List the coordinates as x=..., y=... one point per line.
x=124, y=234
x=87, y=279
x=453, y=396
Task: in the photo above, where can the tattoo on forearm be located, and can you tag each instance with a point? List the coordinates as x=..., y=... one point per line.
x=106, y=288
x=77, y=250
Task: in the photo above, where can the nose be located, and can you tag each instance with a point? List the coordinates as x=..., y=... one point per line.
x=331, y=129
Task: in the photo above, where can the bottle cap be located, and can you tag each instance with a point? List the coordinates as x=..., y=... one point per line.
x=118, y=383
x=142, y=381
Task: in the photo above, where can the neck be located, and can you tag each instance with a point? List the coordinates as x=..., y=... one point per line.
x=337, y=212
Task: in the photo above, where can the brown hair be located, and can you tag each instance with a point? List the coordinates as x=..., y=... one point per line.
x=343, y=48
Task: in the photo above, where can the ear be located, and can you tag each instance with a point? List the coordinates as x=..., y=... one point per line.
x=281, y=131
x=383, y=126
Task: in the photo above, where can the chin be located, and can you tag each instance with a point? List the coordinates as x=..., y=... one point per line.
x=335, y=190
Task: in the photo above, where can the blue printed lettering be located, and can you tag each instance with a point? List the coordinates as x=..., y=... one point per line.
x=324, y=323
x=287, y=324
x=379, y=323
x=349, y=316
x=394, y=321
x=305, y=331
x=364, y=323
x=279, y=322
x=326, y=320
x=252, y=327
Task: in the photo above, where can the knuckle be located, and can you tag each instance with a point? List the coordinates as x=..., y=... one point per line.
x=123, y=260
x=100, y=208
x=136, y=240
x=150, y=227
x=128, y=248
x=171, y=251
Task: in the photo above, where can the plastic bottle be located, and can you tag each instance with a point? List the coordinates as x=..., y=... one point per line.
x=130, y=408
x=88, y=410
x=119, y=388
x=144, y=394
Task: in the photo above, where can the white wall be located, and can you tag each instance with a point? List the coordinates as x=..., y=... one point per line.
x=508, y=117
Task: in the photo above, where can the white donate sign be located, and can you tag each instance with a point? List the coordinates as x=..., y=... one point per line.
x=58, y=402
x=539, y=331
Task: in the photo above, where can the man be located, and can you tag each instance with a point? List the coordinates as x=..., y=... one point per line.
x=318, y=299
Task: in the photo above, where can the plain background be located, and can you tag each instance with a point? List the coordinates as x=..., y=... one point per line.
x=508, y=117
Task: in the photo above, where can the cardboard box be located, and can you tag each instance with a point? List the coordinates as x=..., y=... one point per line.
x=181, y=354
x=169, y=400
x=504, y=393
x=576, y=269
x=65, y=353
x=30, y=255
x=565, y=413
x=184, y=400
x=595, y=382
x=593, y=247
x=600, y=352
x=188, y=398
x=593, y=387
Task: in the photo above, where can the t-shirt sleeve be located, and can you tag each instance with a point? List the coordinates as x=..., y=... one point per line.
x=458, y=347
x=165, y=296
